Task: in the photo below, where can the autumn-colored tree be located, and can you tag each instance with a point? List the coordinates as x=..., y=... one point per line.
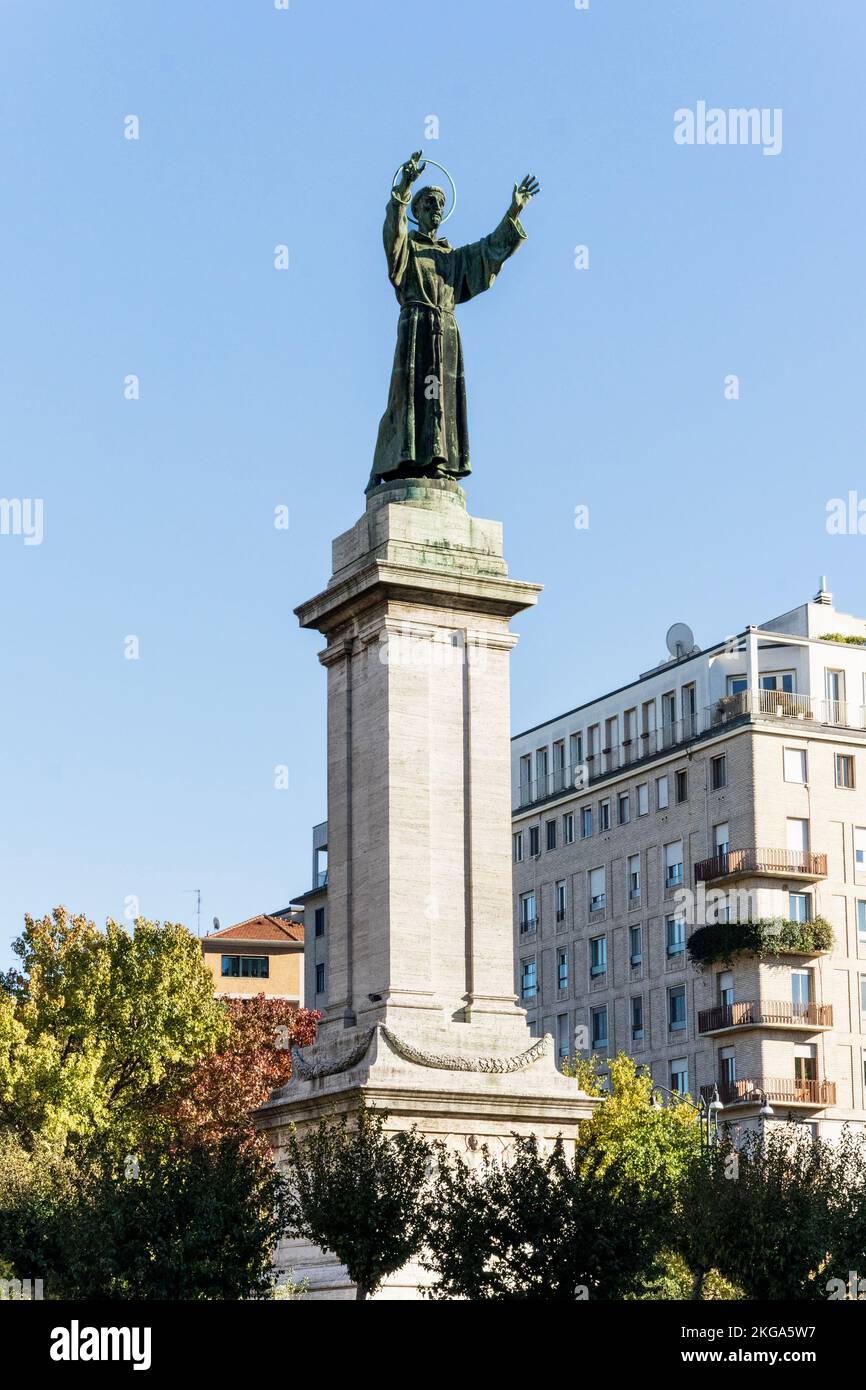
x=254, y=1059
x=97, y=1028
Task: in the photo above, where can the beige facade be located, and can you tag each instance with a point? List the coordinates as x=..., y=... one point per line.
x=739, y=772
x=264, y=955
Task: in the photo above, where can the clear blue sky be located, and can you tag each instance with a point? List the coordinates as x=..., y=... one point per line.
x=260, y=388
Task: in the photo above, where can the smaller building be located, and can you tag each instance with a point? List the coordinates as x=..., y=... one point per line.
x=263, y=955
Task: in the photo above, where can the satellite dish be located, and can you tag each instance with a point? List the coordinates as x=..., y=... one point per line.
x=680, y=640
x=216, y=923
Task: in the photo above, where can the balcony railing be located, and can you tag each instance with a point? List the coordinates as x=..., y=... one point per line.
x=790, y=863
x=729, y=709
x=779, y=1091
x=764, y=1013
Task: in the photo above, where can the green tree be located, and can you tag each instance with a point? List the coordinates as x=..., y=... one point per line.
x=357, y=1191
x=542, y=1226
x=99, y=1027
x=197, y=1223
x=765, y=1213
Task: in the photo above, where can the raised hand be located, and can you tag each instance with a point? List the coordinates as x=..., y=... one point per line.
x=412, y=170
x=523, y=191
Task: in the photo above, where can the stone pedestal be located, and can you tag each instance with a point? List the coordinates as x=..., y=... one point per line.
x=421, y=1017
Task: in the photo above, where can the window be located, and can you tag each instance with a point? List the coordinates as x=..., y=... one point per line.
x=643, y=799
x=559, y=894
x=598, y=1026
x=689, y=708
x=794, y=764
x=674, y=864
x=669, y=718
x=320, y=979
x=517, y=840
x=633, y=872
x=636, y=1018
x=863, y=994
x=559, y=765
x=623, y=808
x=575, y=752
x=780, y=680
x=629, y=728
x=597, y=956
x=661, y=793
x=797, y=835
x=541, y=783
x=604, y=815
x=727, y=1066
x=726, y=988
x=861, y=924
x=648, y=725
x=562, y=969
x=737, y=685
x=528, y=913
x=611, y=742
x=320, y=921
x=834, y=689
x=528, y=979
x=562, y=1039
x=859, y=851
x=798, y=907
x=719, y=772
x=245, y=967
x=801, y=991
x=534, y=844
x=844, y=770
x=550, y=832
x=805, y=1063
x=676, y=935
x=634, y=945
x=721, y=838
x=585, y=822
x=597, y=893
x=677, y=1009
x=682, y=786
x=568, y=828
x=680, y=1076
x=526, y=779
x=591, y=742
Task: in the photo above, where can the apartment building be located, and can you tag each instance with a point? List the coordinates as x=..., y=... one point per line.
x=725, y=786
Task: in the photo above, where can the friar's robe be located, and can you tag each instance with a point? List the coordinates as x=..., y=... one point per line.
x=424, y=429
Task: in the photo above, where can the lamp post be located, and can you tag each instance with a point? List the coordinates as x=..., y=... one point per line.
x=708, y=1112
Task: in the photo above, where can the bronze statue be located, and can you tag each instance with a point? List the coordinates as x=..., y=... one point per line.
x=423, y=433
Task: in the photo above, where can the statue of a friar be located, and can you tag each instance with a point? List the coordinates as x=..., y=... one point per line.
x=423, y=433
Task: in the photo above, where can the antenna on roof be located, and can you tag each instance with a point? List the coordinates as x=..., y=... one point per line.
x=680, y=641
x=823, y=595
x=197, y=892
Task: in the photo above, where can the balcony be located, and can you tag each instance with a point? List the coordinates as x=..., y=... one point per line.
x=643, y=747
x=779, y=1091
x=764, y=1013
x=768, y=863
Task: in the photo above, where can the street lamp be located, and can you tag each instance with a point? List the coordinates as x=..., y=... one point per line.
x=708, y=1112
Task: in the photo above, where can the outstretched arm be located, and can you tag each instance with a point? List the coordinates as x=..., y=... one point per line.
x=479, y=264
x=395, y=231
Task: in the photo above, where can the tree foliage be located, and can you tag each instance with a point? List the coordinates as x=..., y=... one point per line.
x=198, y=1222
x=772, y=936
x=358, y=1191
x=226, y=1086
x=541, y=1226
x=98, y=1027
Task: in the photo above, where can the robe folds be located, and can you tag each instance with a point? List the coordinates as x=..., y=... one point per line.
x=424, y=429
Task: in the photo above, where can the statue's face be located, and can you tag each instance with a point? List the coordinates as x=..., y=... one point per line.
x=429, y=210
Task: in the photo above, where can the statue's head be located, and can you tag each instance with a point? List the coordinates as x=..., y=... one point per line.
x=428, y=205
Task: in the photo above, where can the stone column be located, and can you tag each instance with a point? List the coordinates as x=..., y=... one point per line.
x=421, y=1019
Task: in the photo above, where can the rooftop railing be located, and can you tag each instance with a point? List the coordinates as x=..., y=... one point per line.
x=601, y=762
